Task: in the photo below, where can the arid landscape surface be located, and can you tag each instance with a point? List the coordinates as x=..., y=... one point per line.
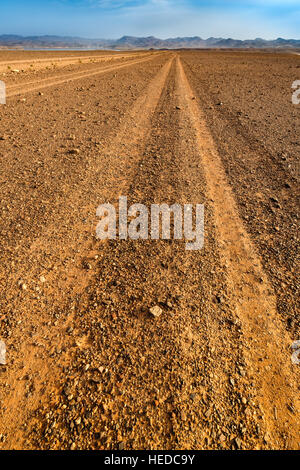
x=88, y=365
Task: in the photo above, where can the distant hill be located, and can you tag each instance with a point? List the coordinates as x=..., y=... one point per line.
x=131, y=42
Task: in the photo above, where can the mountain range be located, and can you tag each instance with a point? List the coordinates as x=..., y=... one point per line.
x=130, y=42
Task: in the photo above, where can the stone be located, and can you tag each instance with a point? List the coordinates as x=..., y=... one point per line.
x=2, y=353
x=238, y=442
x=74, y=151
x=156, y=311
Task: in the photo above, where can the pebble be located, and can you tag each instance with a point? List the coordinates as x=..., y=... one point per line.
x=22, y=285
x=238, y=442
x=2, y=353
x=156, y=311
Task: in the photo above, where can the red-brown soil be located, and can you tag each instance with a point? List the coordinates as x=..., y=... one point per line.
x=88, y=367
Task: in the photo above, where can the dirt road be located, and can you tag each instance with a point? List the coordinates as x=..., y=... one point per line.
x=15, y=64
x=88, y=366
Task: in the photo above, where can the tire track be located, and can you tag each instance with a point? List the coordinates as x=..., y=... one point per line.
x=63, y=60
x=129, y=277
x=173, y=359
x=266, y=343
x=13, y=90
x=68, y=280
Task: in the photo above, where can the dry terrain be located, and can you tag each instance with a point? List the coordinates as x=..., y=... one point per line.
x=88, y=365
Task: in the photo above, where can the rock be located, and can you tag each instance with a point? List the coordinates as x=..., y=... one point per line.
x=2, y=353
x=238, y=442
x=74, y=151
x=22, y=285
x=156, y=311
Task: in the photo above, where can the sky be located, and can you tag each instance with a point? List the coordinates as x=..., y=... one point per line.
x=239, y=19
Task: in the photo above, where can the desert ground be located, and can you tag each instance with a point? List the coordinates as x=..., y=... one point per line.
x=88, y=366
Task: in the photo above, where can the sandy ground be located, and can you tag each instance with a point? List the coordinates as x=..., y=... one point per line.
x=88, y=366
x=12, y=63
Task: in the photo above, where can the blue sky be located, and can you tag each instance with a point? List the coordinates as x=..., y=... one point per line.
x=162, y=18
